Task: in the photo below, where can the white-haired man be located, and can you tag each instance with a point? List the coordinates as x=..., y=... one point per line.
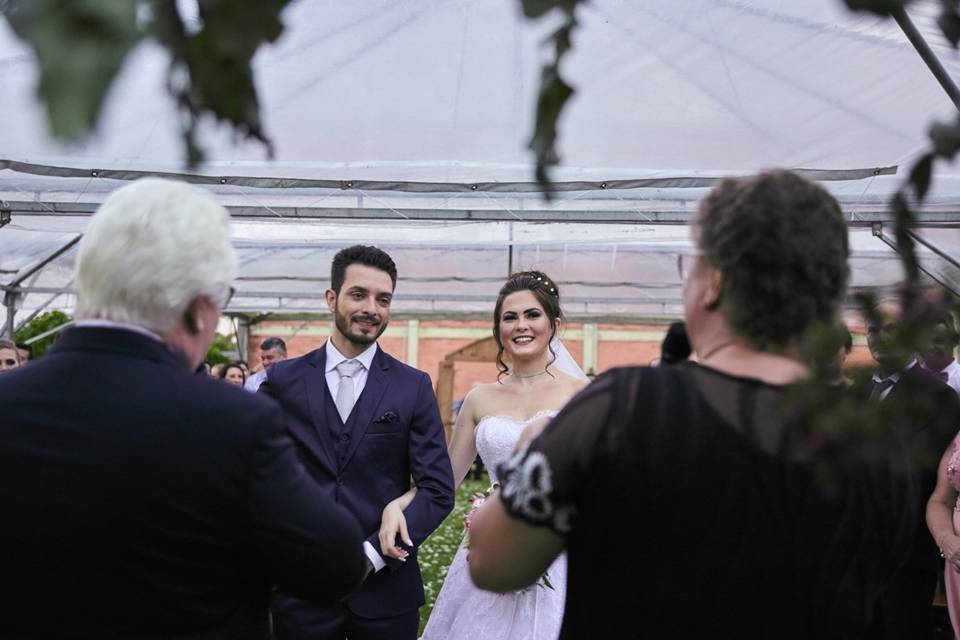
x=138, y=499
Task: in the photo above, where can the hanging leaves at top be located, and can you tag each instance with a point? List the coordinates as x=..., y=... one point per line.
x=81, y=45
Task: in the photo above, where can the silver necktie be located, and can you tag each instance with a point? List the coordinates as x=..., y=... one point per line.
x=345, y=395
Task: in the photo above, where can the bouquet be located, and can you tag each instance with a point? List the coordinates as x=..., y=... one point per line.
x=476, y=501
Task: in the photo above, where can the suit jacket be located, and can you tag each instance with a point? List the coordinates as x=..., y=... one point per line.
x=926, y=413
x=396, y=433
x=138, y=500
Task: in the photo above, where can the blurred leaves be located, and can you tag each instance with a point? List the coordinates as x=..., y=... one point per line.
x=554, y=90
x=211, y=70
x=222, y=350
x=81, y=44
x=40, y=325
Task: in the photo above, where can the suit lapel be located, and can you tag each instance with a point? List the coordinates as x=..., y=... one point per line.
x=317, y=439
x=369, y=402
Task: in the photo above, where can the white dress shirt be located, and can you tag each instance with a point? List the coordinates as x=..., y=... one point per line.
x=953, y=375
x=334, y=358
x=894, y=378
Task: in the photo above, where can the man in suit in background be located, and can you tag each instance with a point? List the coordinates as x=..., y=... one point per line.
x=365, y=423
x=271, y=350
x=938, y=354
x=139, y=500
x=926, y=414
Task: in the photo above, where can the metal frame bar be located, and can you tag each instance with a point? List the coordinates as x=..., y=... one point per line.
x=932, y=216
x=18, y=280
x=934, y=248
x=878, y=232
x=927, y=54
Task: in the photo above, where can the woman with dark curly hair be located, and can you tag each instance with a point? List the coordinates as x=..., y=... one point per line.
x=536, y=378
x=689, y=498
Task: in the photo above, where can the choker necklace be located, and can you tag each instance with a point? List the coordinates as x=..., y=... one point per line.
x=529, y=375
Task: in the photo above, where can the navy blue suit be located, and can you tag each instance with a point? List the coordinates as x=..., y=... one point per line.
x=393, y=432
x=138, y=500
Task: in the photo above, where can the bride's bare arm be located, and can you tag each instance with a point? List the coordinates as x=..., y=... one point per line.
x=462, y=450
x=463, y=444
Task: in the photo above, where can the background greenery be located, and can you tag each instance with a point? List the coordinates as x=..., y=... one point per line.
x=437, y=552
x=39, y=325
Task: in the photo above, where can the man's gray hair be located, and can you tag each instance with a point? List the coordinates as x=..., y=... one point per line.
x=152, y=247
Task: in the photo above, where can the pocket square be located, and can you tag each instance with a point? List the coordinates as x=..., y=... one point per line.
x=387, y=418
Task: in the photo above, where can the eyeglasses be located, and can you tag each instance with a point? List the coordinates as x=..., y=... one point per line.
x=229, y=298
x=685, y=264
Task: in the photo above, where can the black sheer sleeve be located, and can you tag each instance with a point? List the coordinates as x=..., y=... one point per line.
x=542, y=483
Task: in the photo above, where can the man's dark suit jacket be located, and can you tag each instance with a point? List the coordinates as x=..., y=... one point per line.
x=925, y=414
x=138, y=500
x=397, y=433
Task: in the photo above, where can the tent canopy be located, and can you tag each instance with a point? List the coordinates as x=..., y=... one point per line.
x=405, y=125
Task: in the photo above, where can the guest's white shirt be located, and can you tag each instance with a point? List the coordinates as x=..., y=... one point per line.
x=953, y=375
x=334, y=357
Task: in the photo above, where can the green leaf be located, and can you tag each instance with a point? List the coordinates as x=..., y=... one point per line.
x=80, y=46
x=39, y=325
x=554, y=93
x=880, y=7
x=537, y=8
x=920, y=175
x=946, y=138
x=949, y=23
x=217, y=63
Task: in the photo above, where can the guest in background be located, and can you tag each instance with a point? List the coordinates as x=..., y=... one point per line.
x=9, y=356
x=939, y=355
x=702, y=483
x=925, y=413
x=271, y=350
x=232, y=373
x=25, y=351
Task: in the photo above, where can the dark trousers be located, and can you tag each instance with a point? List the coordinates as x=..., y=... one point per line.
x=905, y=610
x=298, y=620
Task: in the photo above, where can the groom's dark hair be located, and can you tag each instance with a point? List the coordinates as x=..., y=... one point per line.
x=360, y=254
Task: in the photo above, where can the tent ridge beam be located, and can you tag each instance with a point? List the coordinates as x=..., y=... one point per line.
x=264, y=182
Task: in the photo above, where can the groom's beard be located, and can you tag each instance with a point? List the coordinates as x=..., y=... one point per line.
x=344, y=325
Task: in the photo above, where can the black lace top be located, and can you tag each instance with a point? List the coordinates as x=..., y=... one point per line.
x=693, y=504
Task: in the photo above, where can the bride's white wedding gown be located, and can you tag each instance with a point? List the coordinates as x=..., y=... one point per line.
x=463, y=611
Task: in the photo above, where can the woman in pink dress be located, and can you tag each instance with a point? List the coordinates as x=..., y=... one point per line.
x=943, y=519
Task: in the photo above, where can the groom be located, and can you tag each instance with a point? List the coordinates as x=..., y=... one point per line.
x=364, y=423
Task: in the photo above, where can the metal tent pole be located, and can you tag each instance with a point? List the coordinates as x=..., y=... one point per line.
x=929, y=57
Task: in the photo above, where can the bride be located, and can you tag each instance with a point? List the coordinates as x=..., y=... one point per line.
x=540, y=379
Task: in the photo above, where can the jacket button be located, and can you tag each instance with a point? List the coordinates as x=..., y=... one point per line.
x=339, y=481
x=344, y=438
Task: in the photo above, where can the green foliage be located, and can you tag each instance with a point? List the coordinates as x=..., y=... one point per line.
x=40, y=325
x=554, y=90
x=81, y=44
x=436, y=553
x=223, y=350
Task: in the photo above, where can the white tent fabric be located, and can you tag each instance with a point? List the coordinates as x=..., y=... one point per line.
x=417, y=114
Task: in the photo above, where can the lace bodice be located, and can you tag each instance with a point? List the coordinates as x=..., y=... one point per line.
x=498, y=435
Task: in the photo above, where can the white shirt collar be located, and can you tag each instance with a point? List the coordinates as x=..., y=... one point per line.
x=110, y=324
x=895, y=377
x=334, y=357
x=952, y=370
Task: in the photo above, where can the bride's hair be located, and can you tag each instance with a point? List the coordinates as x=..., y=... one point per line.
x=547, y=294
